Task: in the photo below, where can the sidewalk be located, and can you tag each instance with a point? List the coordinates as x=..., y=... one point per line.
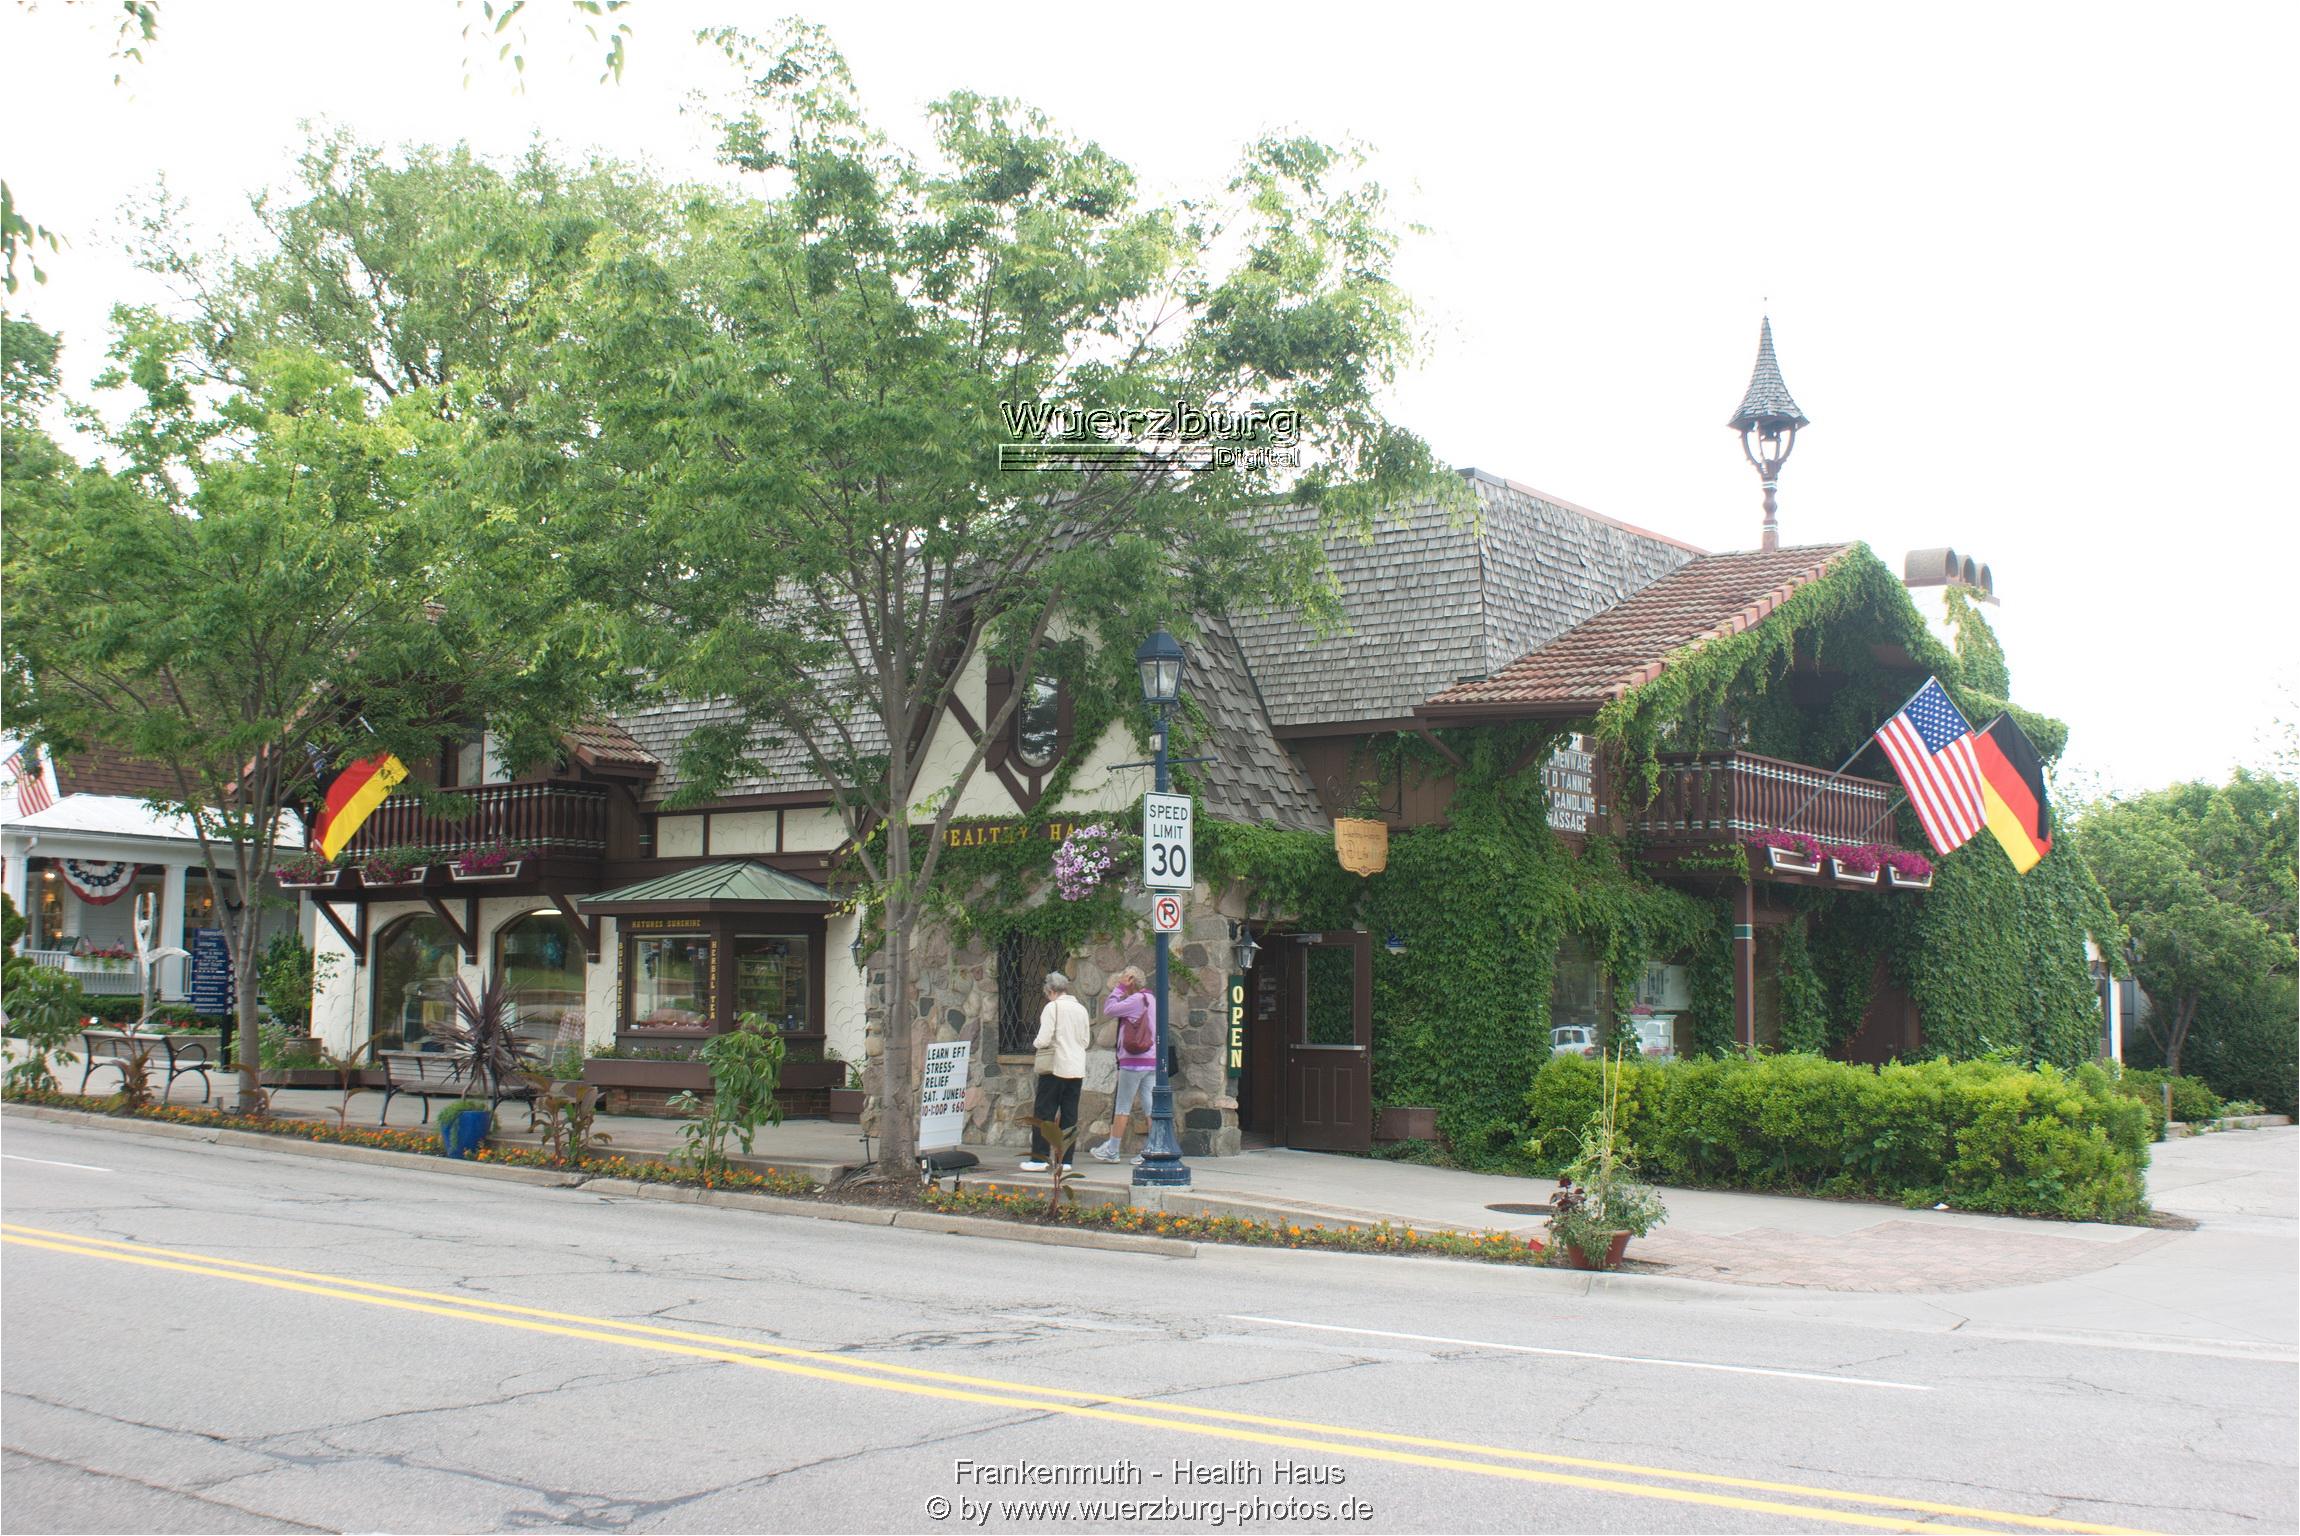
x=2239, y=1185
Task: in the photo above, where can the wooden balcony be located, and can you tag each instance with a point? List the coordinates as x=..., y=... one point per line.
x=554, y=820
x=1716, y=797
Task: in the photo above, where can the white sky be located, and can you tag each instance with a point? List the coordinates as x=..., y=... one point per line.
x=2028, y=267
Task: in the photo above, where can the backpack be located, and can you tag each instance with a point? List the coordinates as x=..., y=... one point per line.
x=1138, y=1036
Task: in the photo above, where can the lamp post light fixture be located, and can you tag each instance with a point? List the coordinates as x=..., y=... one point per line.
x=1161, y=1167
x=1767, y=421
x=1242, y=946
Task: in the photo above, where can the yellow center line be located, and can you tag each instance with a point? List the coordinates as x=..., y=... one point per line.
x=852, y=1371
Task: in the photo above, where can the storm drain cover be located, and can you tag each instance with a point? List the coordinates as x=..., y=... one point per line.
x=1520, y=1210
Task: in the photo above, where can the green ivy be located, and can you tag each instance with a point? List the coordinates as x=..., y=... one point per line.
x=1979, y=654
x=1804, y=1001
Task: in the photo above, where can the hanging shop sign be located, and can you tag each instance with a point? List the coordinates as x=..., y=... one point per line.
x=1234, y=1047
x=1570, y=776
x=1362, y=845
x=97, y=882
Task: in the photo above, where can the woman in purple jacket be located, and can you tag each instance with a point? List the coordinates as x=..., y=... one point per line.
x=1137, y=1015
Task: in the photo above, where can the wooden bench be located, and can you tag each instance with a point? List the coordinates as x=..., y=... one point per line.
x=432, y=1075
x=176, y=1054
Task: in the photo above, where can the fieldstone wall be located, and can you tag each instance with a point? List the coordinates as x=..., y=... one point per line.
x=955, y=997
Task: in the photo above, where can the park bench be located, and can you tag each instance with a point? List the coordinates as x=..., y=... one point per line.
x=429, y=1075
x=176, y=1054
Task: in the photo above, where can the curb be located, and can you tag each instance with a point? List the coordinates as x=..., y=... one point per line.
x=677, y=1194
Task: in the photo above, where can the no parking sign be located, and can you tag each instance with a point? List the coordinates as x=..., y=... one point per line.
x=1166, y=914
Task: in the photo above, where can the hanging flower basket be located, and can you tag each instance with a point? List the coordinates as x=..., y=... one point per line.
x=1091, y=857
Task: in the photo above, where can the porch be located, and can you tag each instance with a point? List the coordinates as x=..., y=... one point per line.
x=1708, y=798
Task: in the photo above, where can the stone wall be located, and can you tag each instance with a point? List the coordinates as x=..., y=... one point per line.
x=955, y=997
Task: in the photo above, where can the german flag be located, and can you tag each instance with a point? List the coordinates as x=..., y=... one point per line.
x=354, y=794
x=2012, y=790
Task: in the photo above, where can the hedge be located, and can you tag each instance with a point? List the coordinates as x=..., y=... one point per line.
x=1978, y=1136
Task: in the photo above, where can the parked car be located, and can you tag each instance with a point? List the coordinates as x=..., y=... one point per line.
x=1573, y=1039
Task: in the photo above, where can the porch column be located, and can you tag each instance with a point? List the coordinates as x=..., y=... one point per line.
x=172, y=979
x=13, y=879
x=1745, y=964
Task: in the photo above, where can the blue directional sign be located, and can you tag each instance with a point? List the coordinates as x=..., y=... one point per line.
x=211, y=971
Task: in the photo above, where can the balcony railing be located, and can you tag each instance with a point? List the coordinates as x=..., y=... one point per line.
x=110, y=978
x=554, y=818
x=1719, y=796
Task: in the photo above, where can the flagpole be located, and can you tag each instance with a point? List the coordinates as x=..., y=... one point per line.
x=1898, y=801
x=1847, y=763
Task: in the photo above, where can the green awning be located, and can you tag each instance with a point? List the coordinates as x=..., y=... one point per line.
x=746, y=886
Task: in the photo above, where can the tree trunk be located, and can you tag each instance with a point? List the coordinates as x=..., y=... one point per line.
x=2177, y=1036
x=248, y=1052
x=898, y=1103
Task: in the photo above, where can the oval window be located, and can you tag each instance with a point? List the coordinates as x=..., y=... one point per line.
x=1037, y=723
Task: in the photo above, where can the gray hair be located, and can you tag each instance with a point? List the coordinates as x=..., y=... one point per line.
x=1057, y=982
x=1132, y=973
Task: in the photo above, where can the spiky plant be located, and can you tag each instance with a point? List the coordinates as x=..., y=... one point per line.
x=483, y=1041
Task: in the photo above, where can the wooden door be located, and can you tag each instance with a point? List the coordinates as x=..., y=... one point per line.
x=1330, y=1042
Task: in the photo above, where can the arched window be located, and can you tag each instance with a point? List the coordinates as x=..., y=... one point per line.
x=414, y=985
x=539, y=955
x=1038, y=723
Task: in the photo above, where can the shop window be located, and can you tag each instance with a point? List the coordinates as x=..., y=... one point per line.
x=540, y=958
x=774, y=979
x=1022, y=966
x=1330, y=997
x=671, y=981
x=414, y=989
x=1578, y=1013
x=47, y=914
x=1038, y=723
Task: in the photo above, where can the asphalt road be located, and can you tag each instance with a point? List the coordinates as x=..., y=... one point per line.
x=206, y=1339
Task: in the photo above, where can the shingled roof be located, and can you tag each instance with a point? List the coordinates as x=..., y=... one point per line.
x=1601, y=659
x=1768, y=401
x=1439, y=597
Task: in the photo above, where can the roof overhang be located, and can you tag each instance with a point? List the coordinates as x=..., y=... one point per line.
x=734, y=887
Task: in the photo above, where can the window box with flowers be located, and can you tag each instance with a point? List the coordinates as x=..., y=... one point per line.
x=499, y=863
x=1789, y=853
x=1857, y=866
x=307, y=872
x=107, y=957
x=1908, y=871
x=394, y=866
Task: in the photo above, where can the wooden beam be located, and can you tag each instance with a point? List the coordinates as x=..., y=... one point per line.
x=355, y=940
x=465, y=940
x=1449, y=753
x=587, y=926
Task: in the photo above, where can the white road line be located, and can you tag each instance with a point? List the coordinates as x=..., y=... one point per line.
x=1585, y=1354
x=51, y=1162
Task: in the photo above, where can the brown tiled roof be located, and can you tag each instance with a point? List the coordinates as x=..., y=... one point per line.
x=1627, y=645
x=102, y=771
x=604, y=745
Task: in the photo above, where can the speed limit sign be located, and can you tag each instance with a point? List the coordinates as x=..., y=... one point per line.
x=1166, y=914
x=1166, y=862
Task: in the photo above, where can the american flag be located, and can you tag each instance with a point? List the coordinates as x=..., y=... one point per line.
x=1931, y=746
x=30, y=781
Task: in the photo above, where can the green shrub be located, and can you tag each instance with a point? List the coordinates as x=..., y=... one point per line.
x=1980, y=1136
x=2193, y=1100
x=2250, y=1048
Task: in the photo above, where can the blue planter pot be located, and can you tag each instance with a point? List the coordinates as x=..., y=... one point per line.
x=466, y=1133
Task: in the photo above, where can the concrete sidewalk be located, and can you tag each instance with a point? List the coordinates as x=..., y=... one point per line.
x=2240, y=1186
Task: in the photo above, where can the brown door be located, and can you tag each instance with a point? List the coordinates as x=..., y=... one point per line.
x=1330, y=1042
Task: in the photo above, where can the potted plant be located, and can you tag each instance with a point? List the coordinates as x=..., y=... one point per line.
x=500, y=862
x=1856, y=866
x=1908, y=871
x=463, y=1127
x=394, y=866
x=847, y=1103
x=307, y=871
x=1600, y=1204
x=490, y=1054
x=1789, y=853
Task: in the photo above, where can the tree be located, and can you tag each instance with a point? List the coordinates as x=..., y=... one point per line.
x=778, y=444
x=2203, y=878
x=275, y=577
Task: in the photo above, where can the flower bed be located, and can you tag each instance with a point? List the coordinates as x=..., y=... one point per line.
x=1030, y=1206
x=382, y=1139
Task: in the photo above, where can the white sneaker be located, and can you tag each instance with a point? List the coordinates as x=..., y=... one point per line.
x=1106, y=1153
x=1033, y=1165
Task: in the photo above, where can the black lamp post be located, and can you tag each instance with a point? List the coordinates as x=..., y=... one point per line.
x=1160, y=660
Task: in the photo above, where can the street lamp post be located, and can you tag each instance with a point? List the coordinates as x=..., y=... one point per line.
x=1161, y=1167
